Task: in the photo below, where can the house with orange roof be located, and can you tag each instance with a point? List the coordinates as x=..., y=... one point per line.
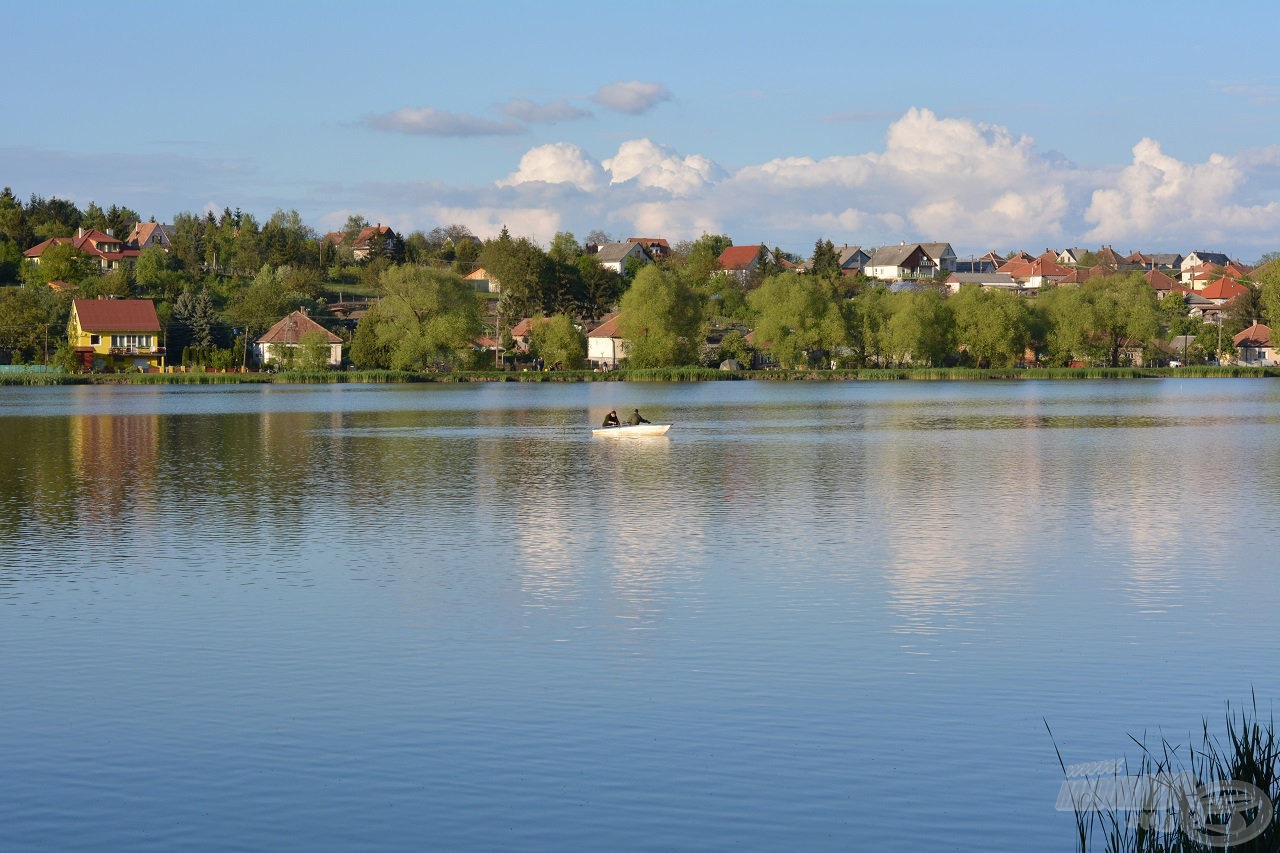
x=1223, y=290
x=147, y=234
x=605, y=344
x=1036, y=273
x=287, y=335
x=741, y=261
x=482, y=281
x=109, y=251
x=375, y=239
x=115, y=334
x=1255, y=346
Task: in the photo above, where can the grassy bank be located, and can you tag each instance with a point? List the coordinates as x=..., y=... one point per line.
x=669, y=374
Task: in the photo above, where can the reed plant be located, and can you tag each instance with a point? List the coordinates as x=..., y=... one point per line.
x=1248, y=752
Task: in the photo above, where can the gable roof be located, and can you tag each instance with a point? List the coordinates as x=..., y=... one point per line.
x=1256, y=336
x=739, y=257
x=607, y=329
x=650, y=242
x=935, y=251
x=117, y=315
x=1223, y=288
x=893, y=256
x=1166, y=259
x=479, y=274
x=988, y=279
x=612, y=253
x=144, y=231
x=1211, y=258
x=292, y=327
x=1159, y=281
x=848, y=253
x=364, y=239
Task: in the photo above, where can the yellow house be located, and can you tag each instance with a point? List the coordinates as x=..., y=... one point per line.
x=115, y=334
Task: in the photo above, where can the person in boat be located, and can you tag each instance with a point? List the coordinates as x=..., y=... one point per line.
x=636, y=418
x=611, y=419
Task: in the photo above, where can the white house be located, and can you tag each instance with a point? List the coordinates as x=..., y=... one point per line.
x=907, y=260
x=942, y=255
x=287, y=335
x=1255, y=346
x=614, y=256
x=605, y=345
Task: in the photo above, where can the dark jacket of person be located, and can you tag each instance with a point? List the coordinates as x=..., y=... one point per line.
x=636, y=418
x=610, y=419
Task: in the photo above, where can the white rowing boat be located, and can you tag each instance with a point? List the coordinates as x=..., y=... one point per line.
x=628, y=431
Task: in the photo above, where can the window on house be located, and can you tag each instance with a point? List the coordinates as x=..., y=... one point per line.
x=94, y=340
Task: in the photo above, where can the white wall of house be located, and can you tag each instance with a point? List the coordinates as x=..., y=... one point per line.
x=606, y=351
x=265, y=353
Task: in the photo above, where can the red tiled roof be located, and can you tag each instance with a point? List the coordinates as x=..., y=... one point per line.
x=738, y=257
x=607, y=329
x=1223, y=288
x=1256, y=335
x=365, y=238
x=290, y=330
x=117, y=315
x=649, y=242
x=1159, y=280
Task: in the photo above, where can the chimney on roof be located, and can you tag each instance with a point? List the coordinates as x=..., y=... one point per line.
x=79, y=233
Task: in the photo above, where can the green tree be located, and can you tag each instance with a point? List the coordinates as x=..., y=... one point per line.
x=1122, y=314
x=826, y=261
x=556, y=340
x=662, y=320
x=921, y=329
x=313, y=352
x=426, y=316
x=600, y=287
x=13, y=221
x=993, y=327
x=11, y=260
x=867, y=318
x=29, y=316
x=564, y=248
x=796, y=316
x=525, y=272
x=195, y=322
x=62, y=262
x=1268, y=279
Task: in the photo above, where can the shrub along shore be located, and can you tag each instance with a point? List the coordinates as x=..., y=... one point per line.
x=672, y=374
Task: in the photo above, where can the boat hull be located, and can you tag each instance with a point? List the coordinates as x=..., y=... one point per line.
x=628, y=431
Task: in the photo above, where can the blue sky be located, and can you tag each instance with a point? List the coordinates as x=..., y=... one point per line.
x=987, y=124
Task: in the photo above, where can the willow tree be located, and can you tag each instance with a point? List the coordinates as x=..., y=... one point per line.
x=661, y=320
x=993, y=326
x=425, y=317
x=795, y=316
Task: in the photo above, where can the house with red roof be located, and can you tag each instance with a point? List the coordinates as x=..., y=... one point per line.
x=1255, y=346
x=375, y=239
x=1223, y=290
x=109, y=251
x=1037, y=273
x=1162, y=284
x=115, y=334
x=741, y=261
x=147, y=234
x=605, y=344
x=283, y=341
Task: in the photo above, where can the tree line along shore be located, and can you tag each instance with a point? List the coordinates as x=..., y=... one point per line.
x=404, y=304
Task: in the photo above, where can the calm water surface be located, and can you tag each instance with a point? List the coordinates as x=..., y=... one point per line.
x=817, y=616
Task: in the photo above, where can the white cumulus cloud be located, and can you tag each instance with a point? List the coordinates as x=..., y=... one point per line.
x=1158, y=194
x=556, y=163
x=655, y=166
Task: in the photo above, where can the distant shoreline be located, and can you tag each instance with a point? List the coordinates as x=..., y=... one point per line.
x=677, y=374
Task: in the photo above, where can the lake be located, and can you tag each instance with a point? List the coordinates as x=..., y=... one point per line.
x=815, y=616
